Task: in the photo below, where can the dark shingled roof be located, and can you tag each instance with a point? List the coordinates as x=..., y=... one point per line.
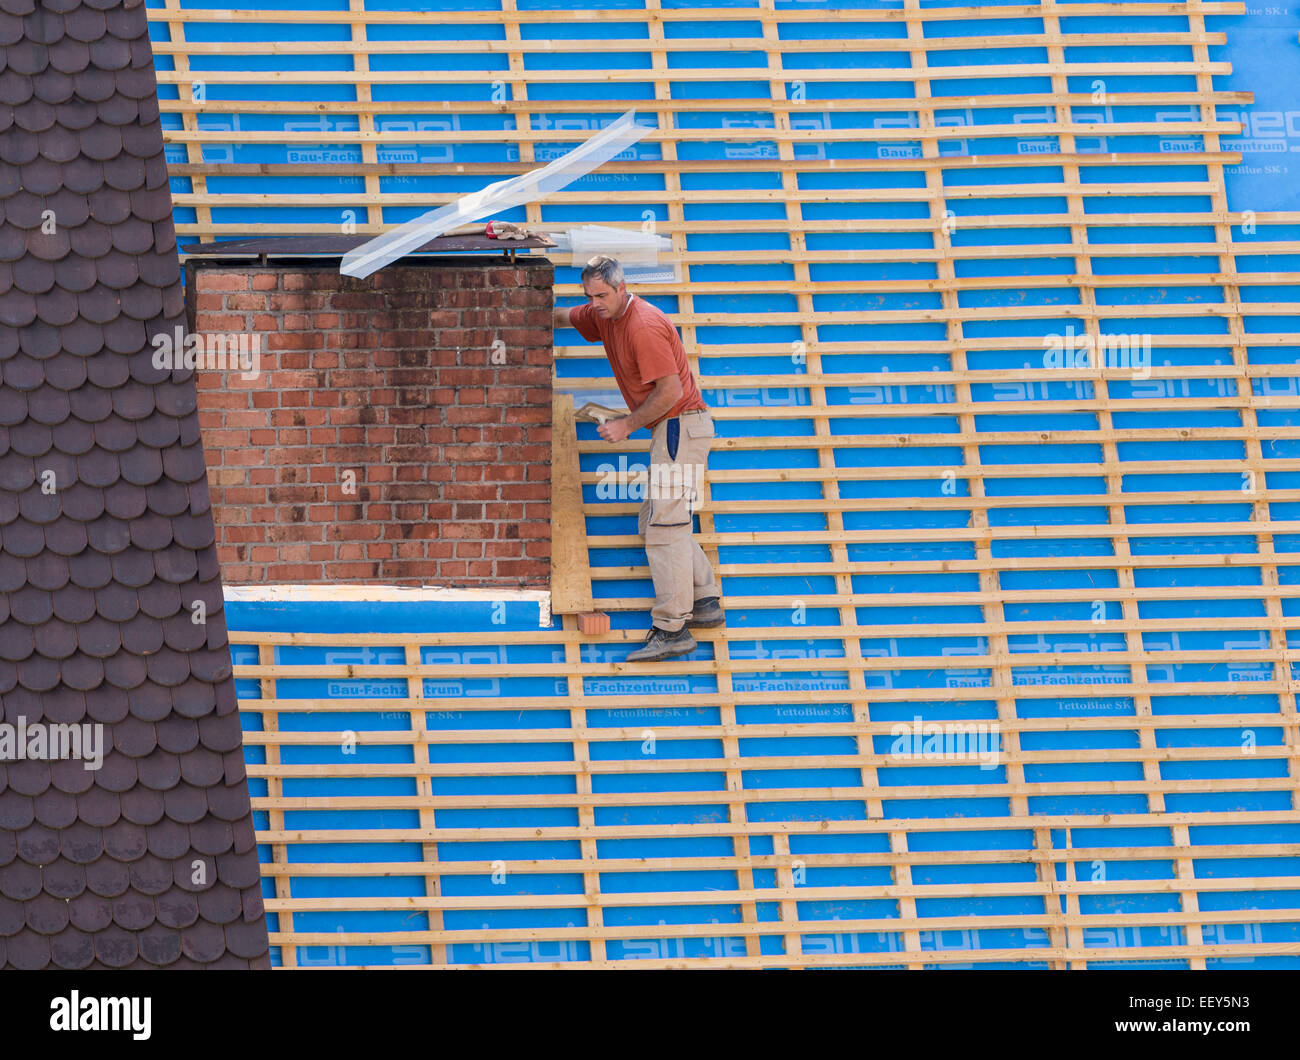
x=98, y=579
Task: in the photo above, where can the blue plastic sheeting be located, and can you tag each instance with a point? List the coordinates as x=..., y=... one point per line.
x=523, y=706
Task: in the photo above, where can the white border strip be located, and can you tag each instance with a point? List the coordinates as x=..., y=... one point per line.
x=361, y=593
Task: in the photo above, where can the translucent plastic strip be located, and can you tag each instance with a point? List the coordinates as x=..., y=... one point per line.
x=637, y=252
x=502, y=195
x=631, y=248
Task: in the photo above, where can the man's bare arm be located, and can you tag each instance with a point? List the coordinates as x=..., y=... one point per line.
x=560, y=318
x=666, y=394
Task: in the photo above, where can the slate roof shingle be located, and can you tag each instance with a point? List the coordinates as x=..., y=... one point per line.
x=97, y=580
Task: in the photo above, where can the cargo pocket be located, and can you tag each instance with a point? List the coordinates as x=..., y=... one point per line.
x=699, y=426
x=670, y=507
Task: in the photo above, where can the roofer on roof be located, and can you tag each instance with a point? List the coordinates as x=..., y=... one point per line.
x=656, y=380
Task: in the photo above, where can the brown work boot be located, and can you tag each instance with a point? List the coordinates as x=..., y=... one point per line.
x=707, y=613
x=662, y=644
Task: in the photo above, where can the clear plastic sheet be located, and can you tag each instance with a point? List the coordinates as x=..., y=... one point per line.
x=502, y=195
x=637, y=252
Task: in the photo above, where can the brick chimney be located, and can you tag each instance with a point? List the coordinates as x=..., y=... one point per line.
x=393, y=429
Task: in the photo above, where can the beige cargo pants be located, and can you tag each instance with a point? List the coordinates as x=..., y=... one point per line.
x=682, y=574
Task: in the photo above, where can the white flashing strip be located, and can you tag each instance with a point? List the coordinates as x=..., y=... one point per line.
x=359, y=593
x=502, y=195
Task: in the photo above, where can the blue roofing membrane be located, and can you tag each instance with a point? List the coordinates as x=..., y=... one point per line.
x=1262, y=48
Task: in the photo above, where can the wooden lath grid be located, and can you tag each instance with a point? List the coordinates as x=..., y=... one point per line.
x=897, y=859
x=975, y=844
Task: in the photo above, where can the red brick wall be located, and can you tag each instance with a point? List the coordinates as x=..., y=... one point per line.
x=430, y=382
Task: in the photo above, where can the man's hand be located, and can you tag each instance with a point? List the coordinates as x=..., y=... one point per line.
x=666, y=394
x=615, y=430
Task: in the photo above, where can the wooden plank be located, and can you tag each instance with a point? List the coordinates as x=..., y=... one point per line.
x=606, y=15
x=605, y=76
x=737, y=812
x=275, y=790
x=623, y=830
x=419, y=738
x=878, y=924
x=960, y=664
x=741, y=135
x=1239, y=952
x=564, y=735
x=627, y=899
x=784, y=860
x=513, y=45
x=652, y=165
x=189, y=121
x=734, y=762
x=678, y=106
x=570, y=576
x=846, y=793
x=934, y=957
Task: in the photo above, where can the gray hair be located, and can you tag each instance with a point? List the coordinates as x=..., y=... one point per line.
x=607, y=268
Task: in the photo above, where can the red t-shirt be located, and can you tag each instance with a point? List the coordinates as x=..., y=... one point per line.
x=642, y=345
